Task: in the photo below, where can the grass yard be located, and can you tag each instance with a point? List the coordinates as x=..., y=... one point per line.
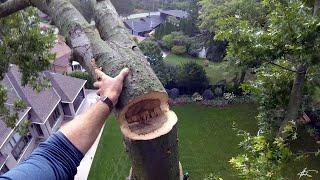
x=206, y=142
x=215, y=71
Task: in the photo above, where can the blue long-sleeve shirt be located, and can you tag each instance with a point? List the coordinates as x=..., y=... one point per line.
x=56, y=158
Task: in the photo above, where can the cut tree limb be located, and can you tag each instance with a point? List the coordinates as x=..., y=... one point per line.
x=12, y=6
x=149, y=128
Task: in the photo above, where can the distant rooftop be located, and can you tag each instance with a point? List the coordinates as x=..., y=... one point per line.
x=175, y=13
x=144, y=24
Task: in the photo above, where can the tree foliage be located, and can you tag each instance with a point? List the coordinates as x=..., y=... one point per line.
x=192, y=78
x=23, y=43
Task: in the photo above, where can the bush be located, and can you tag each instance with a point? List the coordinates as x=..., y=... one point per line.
x=179, y=50
x=173, y=93
x=84, y=76
x=197, y=97
x=218, y=91
x=175, y=39
x=208, y=94
x=192, y=78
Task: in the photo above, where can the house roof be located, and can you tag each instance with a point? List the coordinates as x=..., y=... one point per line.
x=42, y=103
x=67, y=87
x=63, y=53
x=4, y=130
x=175, y=13
x=144, y=24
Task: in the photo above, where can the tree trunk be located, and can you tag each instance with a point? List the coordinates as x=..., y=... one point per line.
x=156, y=159
x=155, y=155
x=316, y=7
x=142, y=111
x=12, y=6
x=295, y=98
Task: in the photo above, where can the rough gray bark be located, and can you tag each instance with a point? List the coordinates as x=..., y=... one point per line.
x=156, y=159
x=316, y=7
x=295, y=98
x=12, y=6
x=142, y=109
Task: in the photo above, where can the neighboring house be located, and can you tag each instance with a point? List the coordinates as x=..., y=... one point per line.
x=46, y=111
x=144, y=25
x=62, y=62
x=178, y=14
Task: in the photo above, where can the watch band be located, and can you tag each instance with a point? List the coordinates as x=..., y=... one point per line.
x=107, y=101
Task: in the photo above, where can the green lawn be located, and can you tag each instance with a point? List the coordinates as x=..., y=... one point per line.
x=215, y=71
x=206, y=143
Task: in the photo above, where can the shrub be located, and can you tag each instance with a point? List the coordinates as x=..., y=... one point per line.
x=208, y=94
x=174, y=93
x=192, y=78
x=179, y=50
x=197, y=97
x=84, y=76
x=175, y=39
x=218, y=91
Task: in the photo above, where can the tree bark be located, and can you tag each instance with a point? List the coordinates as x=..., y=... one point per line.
x=316, y=7
x=295, y=98
x=12, y=6
x=142, y=110
x=156, y=159
x=155, y=156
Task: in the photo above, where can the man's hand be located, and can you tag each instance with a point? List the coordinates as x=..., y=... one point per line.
x=108, y=86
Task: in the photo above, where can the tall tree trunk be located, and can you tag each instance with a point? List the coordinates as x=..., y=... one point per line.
x=316, y=7
x=152, y=156
x=142, y=111
x=295, y=98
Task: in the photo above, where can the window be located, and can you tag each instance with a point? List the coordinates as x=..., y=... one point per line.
x=66, y=109
x=54, y=117
x=4, y=169
x=38, y=129
x=20, y=146
x=77, y=102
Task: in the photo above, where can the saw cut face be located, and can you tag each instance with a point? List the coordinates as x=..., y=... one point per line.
x=145, y=116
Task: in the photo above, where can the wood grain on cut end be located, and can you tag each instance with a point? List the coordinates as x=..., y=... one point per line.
x=165, y=124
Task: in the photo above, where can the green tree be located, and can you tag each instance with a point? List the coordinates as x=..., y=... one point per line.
x=189, y=25
x=23, y=43
x=154, y=56
x=192, y=78
x=84, y=76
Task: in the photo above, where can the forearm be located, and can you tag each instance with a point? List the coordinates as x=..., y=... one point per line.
x=85, y=128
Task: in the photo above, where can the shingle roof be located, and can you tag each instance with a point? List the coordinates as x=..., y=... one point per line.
x=67, y=87
x=41, y=103
x=144, y=24
x=63, y=53
x=175, y=13
x=4, y=130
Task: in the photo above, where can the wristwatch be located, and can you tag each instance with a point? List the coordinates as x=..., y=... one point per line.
x=107, y=101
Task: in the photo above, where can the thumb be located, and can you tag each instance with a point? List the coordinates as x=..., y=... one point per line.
x=123, y=74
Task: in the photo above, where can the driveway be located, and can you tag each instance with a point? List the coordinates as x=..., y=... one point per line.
x=85, y=165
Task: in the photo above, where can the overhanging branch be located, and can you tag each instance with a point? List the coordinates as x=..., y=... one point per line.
x=285, y=68
x=12, y=6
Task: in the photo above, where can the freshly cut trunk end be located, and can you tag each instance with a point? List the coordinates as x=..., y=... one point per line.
x=145, y=117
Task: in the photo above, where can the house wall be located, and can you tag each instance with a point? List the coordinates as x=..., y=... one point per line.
x=7, y=149
x=49, y=130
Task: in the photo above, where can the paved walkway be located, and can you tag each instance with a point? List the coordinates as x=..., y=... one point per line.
x=85, y=165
